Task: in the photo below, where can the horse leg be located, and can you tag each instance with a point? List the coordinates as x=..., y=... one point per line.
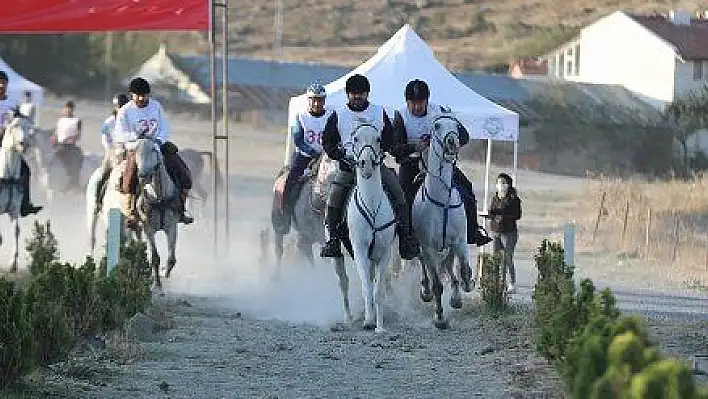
x=456, y=296
x=305, y=248
x=431, y=262
x=154, y=259
x=425, y=294
x=363, y=265
x=278, y=243
x=467, y=274
x=382, y=268
x=171, y=233
x=13, y=268
x=341, y=270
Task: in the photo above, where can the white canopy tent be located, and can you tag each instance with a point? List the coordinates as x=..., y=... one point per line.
x=18, y=85
x=404, y=57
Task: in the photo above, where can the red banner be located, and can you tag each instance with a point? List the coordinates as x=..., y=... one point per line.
x=57, y=16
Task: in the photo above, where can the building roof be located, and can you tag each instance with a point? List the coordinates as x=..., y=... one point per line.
x=690, y=40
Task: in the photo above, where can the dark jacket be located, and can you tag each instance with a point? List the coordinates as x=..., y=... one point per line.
x=509, y=209
x=402, y=148
x=332, y=140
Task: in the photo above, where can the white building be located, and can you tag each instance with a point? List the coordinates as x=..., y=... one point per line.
x=657, y=57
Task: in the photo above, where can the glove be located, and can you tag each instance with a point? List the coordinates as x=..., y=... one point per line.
x=346, y=164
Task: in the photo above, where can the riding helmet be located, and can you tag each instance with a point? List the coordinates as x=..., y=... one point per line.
x=139, y=86
x=316, y=90
x=120, y=99
x=357, y=84
x=417, y=90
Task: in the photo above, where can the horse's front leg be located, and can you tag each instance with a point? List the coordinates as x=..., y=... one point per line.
x=279, y=250
x=425, y=294
x=431, y=264
x=382, y=268
x=341, y=270
x=363, y=265
x=13, y=268
x=467, y=273
x=171, y=233
x=154, y=259
x=456, y=295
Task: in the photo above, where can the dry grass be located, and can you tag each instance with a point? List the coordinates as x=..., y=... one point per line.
x=660, y=222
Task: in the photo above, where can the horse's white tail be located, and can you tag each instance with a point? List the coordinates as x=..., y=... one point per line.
x=91, y=205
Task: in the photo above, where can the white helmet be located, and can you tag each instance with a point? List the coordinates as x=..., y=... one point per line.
x=316, y=90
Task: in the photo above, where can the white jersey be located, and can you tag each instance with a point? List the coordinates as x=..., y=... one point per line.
x=107, y=132
x=348, y=120
x=313, y=129
x=7, y=107
x=29, y=111
x=68, y=129
x=418, y=126
x=133, y=121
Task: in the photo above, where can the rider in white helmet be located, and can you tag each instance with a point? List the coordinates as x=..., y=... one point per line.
x=306, y=132
x=65, y=139
x=412, y=125
x=9, y=108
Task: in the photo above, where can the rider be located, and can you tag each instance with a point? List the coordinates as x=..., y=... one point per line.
x=412, y=125
x=144, y=116
x=307, y=134
x=7, y=108
x=67, y=134
x=107, y=140
x=337, y=143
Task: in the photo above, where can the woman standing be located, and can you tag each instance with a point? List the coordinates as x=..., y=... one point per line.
x=504, y=211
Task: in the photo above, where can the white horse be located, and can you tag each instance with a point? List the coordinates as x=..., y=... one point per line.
x=438, y=217
x=371, y=223
x=157, y=204
x=11, y=191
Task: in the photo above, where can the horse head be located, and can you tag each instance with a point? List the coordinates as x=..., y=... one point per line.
x=367, y=149
x=16, y=134
x=326, y=171
x=445, y=140
x=148, y=157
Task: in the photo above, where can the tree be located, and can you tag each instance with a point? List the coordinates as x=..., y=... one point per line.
x=684, y=116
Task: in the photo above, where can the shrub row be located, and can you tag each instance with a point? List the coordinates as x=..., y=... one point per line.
x=599, y=352
x=61, y=303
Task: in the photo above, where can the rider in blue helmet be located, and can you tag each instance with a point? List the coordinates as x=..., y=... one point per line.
x=108, y=141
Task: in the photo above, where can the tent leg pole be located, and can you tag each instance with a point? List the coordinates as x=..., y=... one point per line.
x=485, y=205
x=214, y=158
x=516, y=161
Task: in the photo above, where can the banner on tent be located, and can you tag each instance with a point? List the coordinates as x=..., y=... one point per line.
x=497, y=128
x=47, y=16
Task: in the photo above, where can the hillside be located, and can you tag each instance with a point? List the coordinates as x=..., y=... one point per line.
x=466, y=34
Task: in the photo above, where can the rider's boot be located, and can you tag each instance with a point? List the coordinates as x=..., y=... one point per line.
x=474, y=233
x=131, y=218
x=184, y=216
x=407, y=243
x=27, y=208
x=333, y=246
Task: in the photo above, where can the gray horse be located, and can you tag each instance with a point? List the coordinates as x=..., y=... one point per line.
x=308, y=219
x=439, y=220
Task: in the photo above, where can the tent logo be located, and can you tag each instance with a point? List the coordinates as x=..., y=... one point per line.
x=493, y=125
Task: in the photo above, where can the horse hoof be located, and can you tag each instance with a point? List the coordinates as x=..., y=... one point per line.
x=168, y=272
x=369, y=326
x=442, y=324
x=379, y=330
x=456, y=303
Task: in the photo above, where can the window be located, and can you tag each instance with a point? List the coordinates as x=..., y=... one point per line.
x=697, y=70
x=577, y=59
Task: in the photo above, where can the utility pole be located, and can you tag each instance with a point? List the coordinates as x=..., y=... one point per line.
x=278, y=25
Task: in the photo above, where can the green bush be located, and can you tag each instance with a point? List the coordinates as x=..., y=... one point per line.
x=63, y=303
x=598, y=352
x=493, y=282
